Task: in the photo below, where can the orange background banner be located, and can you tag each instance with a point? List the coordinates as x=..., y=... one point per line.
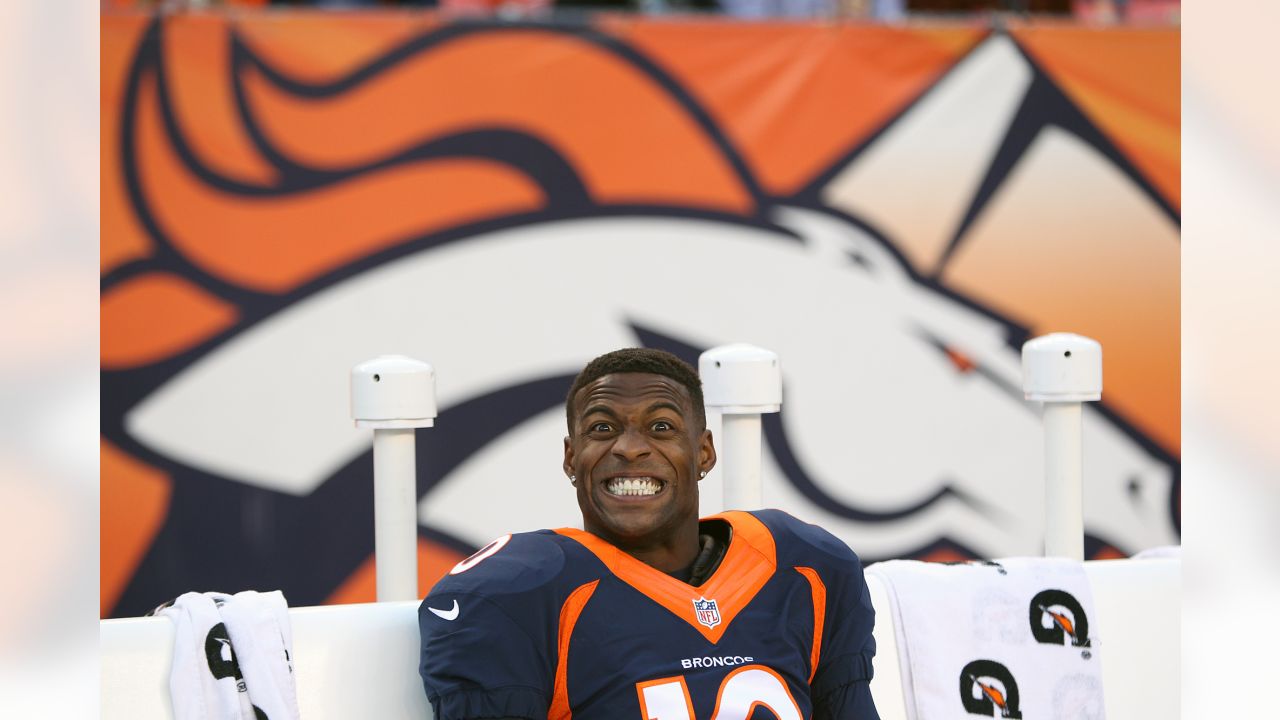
x=255, y=164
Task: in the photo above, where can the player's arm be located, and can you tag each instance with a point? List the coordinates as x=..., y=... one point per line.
x=841, y=688
x=477, y=662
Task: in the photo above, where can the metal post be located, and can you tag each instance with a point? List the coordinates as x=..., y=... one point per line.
x=1063, y=489
x=395, y=521
x=740, y=460
x=394, y=395
x=742, y=382
x=1063, y=370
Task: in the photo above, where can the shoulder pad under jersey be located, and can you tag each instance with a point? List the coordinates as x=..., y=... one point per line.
x=510, y=564
x=796, y=540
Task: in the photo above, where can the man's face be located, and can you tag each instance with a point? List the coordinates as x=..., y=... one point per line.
x=637, y=449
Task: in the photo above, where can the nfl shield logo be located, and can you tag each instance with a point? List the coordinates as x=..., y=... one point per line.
x=708, y=612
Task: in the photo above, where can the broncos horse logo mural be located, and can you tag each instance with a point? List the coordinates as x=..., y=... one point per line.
x=507, y=201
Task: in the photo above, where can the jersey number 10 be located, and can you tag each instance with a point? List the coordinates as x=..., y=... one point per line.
x=742, y=691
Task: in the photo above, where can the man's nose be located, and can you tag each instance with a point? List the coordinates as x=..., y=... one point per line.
x=631, y=445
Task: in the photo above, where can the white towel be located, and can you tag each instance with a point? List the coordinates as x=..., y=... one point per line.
x=258, y=624
x=205, y=681
x=232, y=657
x=1010, y=638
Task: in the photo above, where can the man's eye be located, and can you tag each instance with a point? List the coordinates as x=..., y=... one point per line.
x=662, y=426
x=599, y=427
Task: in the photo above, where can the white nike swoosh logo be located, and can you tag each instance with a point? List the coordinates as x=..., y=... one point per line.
x=451, y=614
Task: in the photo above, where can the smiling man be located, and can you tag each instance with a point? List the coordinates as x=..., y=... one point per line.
x=649, y=613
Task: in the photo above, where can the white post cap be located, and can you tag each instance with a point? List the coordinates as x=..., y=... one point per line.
x=393, y=391
x=1062, y=367
x=741, y=379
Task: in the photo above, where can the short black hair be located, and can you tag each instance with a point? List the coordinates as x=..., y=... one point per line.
x=640, y=360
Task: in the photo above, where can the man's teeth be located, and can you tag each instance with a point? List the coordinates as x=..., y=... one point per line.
x=633, y=486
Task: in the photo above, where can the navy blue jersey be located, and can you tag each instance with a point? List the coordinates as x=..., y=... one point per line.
x=560, y=624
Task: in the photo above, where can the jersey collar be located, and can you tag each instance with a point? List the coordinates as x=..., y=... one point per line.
x=747, y=565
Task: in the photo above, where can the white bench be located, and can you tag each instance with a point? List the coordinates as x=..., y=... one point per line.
x=355, y=661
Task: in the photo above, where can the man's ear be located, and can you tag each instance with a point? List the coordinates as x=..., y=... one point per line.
x=706, y=452
x=568, y=457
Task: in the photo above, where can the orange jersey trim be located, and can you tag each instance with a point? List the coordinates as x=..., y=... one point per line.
x=569, y=613
x=819, y=590
x=747, y=565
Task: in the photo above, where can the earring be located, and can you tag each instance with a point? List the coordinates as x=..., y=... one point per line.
x=573, y=480
x=702, y=474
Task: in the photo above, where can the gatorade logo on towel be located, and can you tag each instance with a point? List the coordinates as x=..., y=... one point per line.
x=988, y=688
x=1057, y=615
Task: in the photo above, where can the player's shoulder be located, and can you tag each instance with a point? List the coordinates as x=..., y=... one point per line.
x=797, y=541
x=513, y=564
